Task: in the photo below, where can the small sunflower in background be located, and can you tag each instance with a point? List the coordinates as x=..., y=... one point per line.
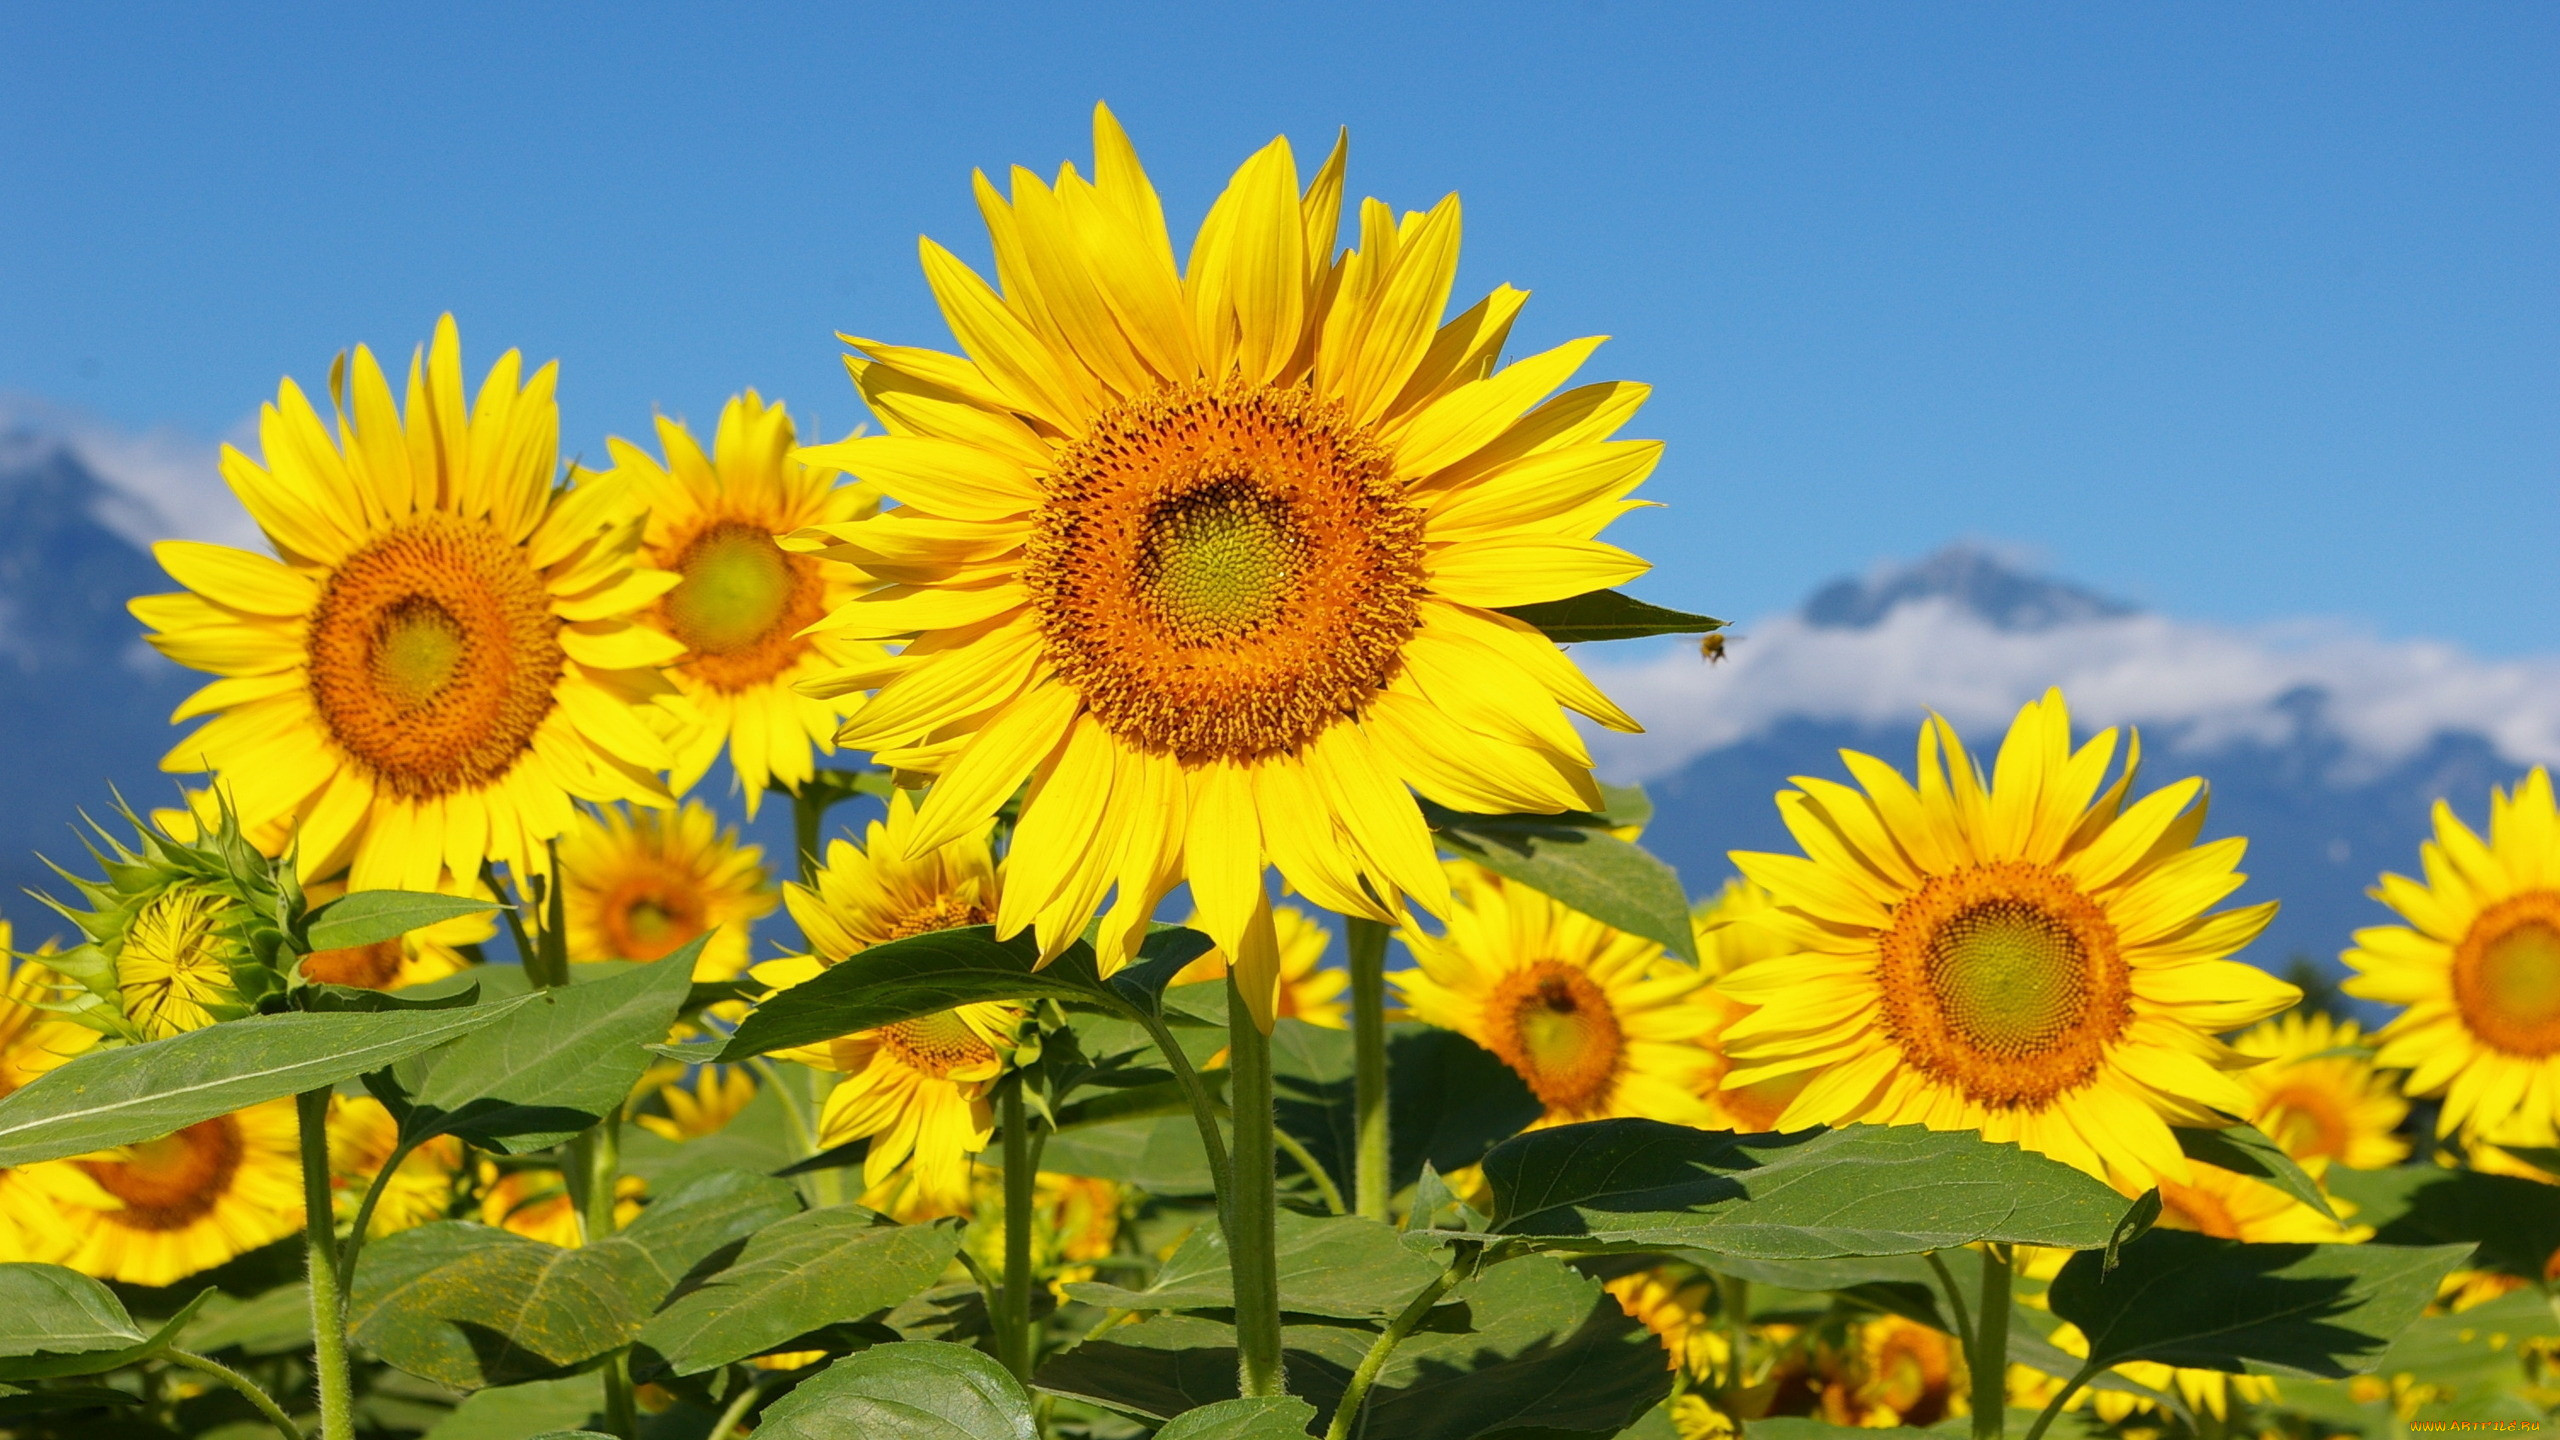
x=1211, y=554
x=534, y=1201
x=2025, y=953
x=676, y=1107
x=362, y=1134
x=2478, y=969
x=187, y=1202
x=1597, y=1022
x=2320, y=1095
x=440, y=655
x=917, y=1089
x=422, y=955
x=639, y=885
x=33, y=1041
x=1732, y=931
x=741, y=605
x=1308, y=991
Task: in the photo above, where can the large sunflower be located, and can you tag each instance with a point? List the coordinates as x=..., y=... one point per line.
x=1598, y=1022
x=2478, y=968
x=918, y=1089
x=440, y=653
x=189, y=1201
x=742, y=606
x=2023, y=954
x=33, y=1041
x=1210, y=556
x=641, y=884
x=2320, y=1096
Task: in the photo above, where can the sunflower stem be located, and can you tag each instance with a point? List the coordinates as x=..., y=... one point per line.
x=364, y=1214
x=595, y=1159
x=1955, y=1305
x=1013, y=1325
x=739, y=1405
x=1326, y=1190
x=2054, y=1406
x=329, y=1364
x=1253, y=1214
x=808, y=816
x=1990, y=1359
x=1736, y=1294
x=1355, y=1395
x=1204, y=1107
x=1372, y=1181
x=248, y=1388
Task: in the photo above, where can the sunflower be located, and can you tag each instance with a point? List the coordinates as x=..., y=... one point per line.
x=1212, y=556
x=1677, y=1303
x=361, y=1136
x=1894, y=1372
x=2478, y=968
x=2318, y=1097
x=2217, y=1202
x=1596, y=1021
x=441, y=652
x=430, y=953
x=1307, y=990
x=742, y=606
x=2023, y=954
x=32, y=1042
x=534, y=1201
x=705, y=1107
x=639, y=884
x=917, y=1089
x=1732, y=932
x=2208, y=1391
x=189, y=1201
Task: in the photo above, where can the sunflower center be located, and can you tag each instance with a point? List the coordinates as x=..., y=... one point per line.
x=433, y=656
x=936, y=1045
x=2306, y=1121
x=175, y=961
x=2506, y=974
x=364, y=967
x=1224, y=571
x=1555, y=1027
x=741, y=605
x=648, y=917
x=944, y=912
x=2004, y=981
x=169, y=1183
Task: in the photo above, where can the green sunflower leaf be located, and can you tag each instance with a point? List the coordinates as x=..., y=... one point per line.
x=905, y=979
x=472, y=1306
x=48, y=1309
x=2246, y=1150
x=811, y=1270
x=141, y=1092
x=2514, y=1221
x=535, y=1408
x=1573, y=859
x=47, y=1364
x=15, y=1400
x=1608, y=615
x=560, y=1061
x=1811, y=1195
x=370, y=916
x=1331, y=1265
x=1160, y=1154
x=1280, y=1418
x=2184, y=1299
x=913, y=1390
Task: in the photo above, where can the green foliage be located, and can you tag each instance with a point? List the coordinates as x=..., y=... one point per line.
x=470, y=1306
x=1574, y=859
x=2191, y=1300
x=904, y=979
x=2515, y=1222
x=1811, y=1195
x=793, y=1277
x=370, y=916
x=118, y=1095
x=2246, y=1150
x=1608, y=615
x=1449, y=1100
x=46, y=1309
x=1264, y=1419
x=560, y=1060
x=1335, y=1265
x=910, y=1391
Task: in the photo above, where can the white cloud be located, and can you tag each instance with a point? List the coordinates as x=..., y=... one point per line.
x=162, y=485
x=2203, y=685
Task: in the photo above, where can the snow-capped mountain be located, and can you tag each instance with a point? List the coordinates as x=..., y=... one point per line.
x=2325, y=746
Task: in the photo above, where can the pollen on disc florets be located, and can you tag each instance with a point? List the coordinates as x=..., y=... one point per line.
x=2506, y=974
x=2004, y=981
x=937, y=1045
x=1556, y=1029
x=433, y=655
x=1223, y=571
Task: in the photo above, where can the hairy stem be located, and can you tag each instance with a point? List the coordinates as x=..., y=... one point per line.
x=1013, y=1323
x=1326, y=1190
x=1955, y=1305
x=364, y=1214
x=1736, y=1294
x=329, y=1364
x=248, y=1388
x=596, y=1158
x=808, y=816
x=1355, y=1396
x=1372, y=1185
x=1253, y=1210
x=1990, y=1359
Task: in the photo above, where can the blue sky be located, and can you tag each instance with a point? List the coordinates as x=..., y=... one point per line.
x=2244, y=312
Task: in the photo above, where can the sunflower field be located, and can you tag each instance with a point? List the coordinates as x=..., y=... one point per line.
x=423, y=1071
